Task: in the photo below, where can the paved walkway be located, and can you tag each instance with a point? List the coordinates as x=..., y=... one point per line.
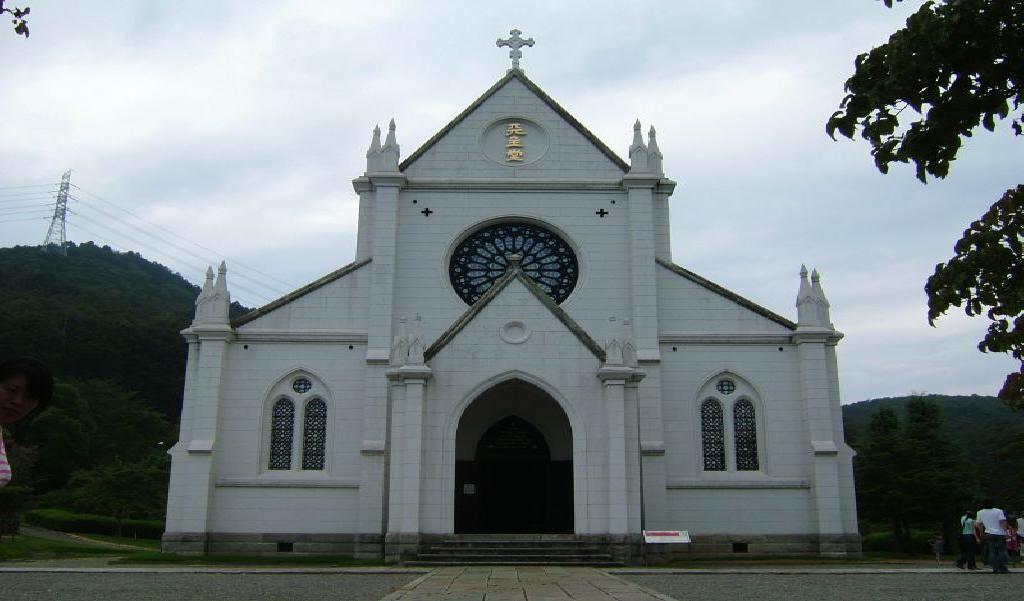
x=522, y=584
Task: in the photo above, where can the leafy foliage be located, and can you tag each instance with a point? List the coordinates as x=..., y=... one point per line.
x=89, y=423
x=18, y=14
x=99, y=314
x=122, y=490
x=987, y=272
x=981, y=425
x=957, y=64
x=911, y=472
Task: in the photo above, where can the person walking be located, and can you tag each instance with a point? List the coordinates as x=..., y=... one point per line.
x=968, y=544
x=994, y=521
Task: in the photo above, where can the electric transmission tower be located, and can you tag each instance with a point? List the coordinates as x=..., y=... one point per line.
x=57, y=234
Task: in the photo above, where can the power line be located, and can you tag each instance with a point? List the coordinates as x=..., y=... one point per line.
x=38, y=218
x=271, y=288
x=26, y=186
x=288, y=285
x=145, y=246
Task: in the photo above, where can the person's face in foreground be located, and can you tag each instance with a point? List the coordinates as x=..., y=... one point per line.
x=16, y=400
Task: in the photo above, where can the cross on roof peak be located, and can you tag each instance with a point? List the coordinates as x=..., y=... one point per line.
x=515, y=43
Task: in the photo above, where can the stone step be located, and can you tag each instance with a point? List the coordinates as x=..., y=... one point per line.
x=532, y=549
x=498, y=557
x=518, y=550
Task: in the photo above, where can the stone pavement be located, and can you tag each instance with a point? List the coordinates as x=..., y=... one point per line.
x=522, y=584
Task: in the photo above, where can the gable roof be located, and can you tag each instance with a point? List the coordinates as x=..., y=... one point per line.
x=726, y=293
x=516, y=74
x=284, y=300
x=492, y=293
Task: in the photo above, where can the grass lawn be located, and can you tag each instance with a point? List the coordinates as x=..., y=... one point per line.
x=148, y=543
x=874, y=557
x=30, y=547
x=325, y=561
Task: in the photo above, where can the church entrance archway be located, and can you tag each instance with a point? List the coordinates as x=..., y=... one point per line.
x=513, y=466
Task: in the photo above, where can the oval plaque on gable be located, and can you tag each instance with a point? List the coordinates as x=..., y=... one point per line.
x=514, y=141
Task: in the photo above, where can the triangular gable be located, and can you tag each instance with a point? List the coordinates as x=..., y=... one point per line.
x=299, y=293
x=727, y=294
x=515, y=274
x=516, y=75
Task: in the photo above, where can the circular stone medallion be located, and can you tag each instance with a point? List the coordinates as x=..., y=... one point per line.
x=514, y=141
x=515, y=332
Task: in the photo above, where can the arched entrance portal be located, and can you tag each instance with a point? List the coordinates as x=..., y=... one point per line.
x=513, y=465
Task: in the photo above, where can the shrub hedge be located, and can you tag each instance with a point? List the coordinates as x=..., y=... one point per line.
x=883, y=541
x=66, y=521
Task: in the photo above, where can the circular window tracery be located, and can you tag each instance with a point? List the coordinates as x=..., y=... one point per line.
x=301, y=385
x=483, y=257
x=726, y=386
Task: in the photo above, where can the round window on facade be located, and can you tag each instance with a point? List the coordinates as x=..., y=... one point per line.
x=301, y=385
x=483, y=258
x=725, y=386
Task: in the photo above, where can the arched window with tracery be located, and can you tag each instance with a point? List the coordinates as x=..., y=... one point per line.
x=314, y=435
x=744, y=425
x=282, y=429
x=712, y=429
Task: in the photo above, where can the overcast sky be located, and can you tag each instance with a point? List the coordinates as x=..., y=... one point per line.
x=240, y=125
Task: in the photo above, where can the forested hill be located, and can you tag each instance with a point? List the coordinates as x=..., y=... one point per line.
x=979, y=423
x=99, y=313
x=982, y=426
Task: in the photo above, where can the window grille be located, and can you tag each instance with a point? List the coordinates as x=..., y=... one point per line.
x=314, y=435
x=712, y=429
x=745, y=428
x=281, y=433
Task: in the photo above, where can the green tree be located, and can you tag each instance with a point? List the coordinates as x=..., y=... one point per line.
x=883, y=492
x=957, y=65
x=120, y=489
x=89, y=423
x=911, y=473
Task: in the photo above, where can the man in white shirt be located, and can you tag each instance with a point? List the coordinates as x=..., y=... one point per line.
x=994, y=521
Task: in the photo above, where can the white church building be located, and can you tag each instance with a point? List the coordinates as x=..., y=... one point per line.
x=512, y=351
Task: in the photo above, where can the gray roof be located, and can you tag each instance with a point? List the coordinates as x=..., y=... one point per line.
x=725, y=292
x=517, y=74
x=284, y=300
x=492, y=293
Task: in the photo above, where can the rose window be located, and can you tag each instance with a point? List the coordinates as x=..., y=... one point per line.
x=483, y=258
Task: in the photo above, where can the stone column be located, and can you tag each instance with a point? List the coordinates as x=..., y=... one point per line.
x=406, y=459
x=825, y=484
x=192, y=457
x=643, y=285
x=613, y=379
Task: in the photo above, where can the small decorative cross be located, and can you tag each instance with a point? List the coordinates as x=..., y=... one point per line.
x=601, y=213
x=515, y=43
x=426, y=212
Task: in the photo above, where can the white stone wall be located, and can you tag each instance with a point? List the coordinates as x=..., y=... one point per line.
x=554, y=360
x=251, y=498
x=570, y=156
x=425, y=244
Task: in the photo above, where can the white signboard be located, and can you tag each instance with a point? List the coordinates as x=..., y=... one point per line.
x=666, y=536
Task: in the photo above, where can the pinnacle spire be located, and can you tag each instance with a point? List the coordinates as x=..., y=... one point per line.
x=654, y=156
x=637, y=151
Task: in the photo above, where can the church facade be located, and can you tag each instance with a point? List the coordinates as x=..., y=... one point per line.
x=513, y=350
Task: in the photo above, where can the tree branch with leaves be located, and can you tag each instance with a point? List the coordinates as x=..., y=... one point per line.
x=18, y=14
x=957, y=65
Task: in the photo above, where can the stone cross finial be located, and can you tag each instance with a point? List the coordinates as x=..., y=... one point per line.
x=515, y=43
